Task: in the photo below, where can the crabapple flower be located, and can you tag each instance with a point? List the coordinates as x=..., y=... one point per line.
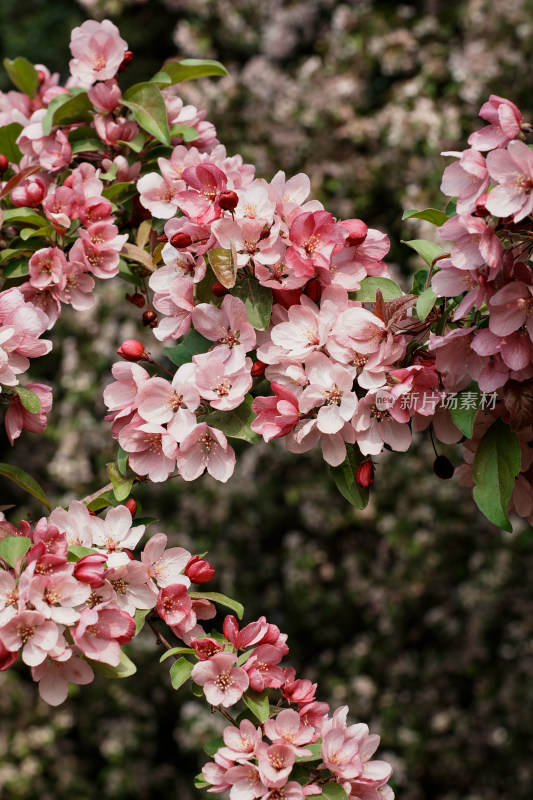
x=205, y=448
x=223, y=682
x=100, y=633
x=18, y=418
x=505, y=124
x=512, y=169
x=98, y=51
x=54, y=676
x=165, y=567
x=276, y=416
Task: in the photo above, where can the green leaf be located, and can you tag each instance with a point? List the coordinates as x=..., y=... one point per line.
x=221, y=599
x=192, y=344
x=29, y=399
x=496, y=464
x=102, y=501
x=257, y=299
x=136, y=144
x=117, y=189
x=26, y=215
x=121, y=485
x=465, y=411
x=214, y=746
x=187, y=133
x=175, y=650
x=236, y=423
x=143, y=521
x=180, y=672
x=140, y=617
x=124, y=669
x=66, y=109
x=8, y=142
x=14, y=547
x=425, y=303
x=344, y=476
x=243, y=658
x=128, y=274
x=23, y=74
x=200, y=782
x=122, y=461
x=148, y=107
x=333, y=791
x=419, y=281
x=204, y=293
x=367, y=291
x=25, y=481
x=77, y=551
x=316, y=750
x=429, y=251
x=187, y=70
x=18, y=268
x=258, y=704
x=451, y=208
x=432, y=215
x=32, y=233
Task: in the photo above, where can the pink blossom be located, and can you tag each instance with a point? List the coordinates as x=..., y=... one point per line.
x=165, y=566
x=505, y=124
x=330, y=389
x=288, y=728
x=18, y=418
x=511, y=307
x=152, y=449
x=224, y=683
x=174, y=604
x=512, y=169
x=223, y=379
x=90, y=569
x=132, y=587
x=240, y=742
x=32, y=632
x=205, y=448
x=55, y=675
x=161, y=402
x=262, y=668
x=177, y=305
x=277, y=415
x=466, y=179
x=375, y=427
x=275, y=763
x=55, y=596
x=100, y=633
x=98, y=51
x=200, y=202
x=105, y=96
x=227, y=326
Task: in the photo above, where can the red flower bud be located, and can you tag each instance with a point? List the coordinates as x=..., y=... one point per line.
x=258, y=369
x=132, y=350
x=358, y=231
x=41, y=76
x=137, y=299
x=150, y=318
x=90, y=569
x=128, y=55
x=364, y=474
x=228, y=200
x=198, y=570
x=265, y=233
x=131, y=505
x=180, y=239
x=287, y=297
x=162, y=238
x=4, y=163
x=219, y=290
x=443, y=468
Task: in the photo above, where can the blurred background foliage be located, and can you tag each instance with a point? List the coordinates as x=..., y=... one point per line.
x=416, y=612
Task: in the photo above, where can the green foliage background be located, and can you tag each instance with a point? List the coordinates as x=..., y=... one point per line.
x=417, y=613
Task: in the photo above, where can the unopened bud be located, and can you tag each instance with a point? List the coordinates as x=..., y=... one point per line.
x=443, y=468
x=180, y=239
x=4, y=163
x=258, y=369
x=218, y=289
x=150, y=318
x=137, y=299
x=90, y=569
x=265, y=233
x=132, y=350
x=198, y=570
x=128, y=55
x=228, y=200
x=69, y=180
x=162, y=238
x=131, y=505
x=364, y=474
x=358, y=232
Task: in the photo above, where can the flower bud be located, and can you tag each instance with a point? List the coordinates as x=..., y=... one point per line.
x=162, y=238
x=258, y=369
x=4, y=163
x=198, y=570
x=364, y=474
x=131, y=505
x=180, y=239
x=443, y=468
x=41, y=75
x=150, y=318
x=219, y=290
x=128, y=56
x=358, y=231
x=265, y=233
x=90, y=569
x=137, y=299
x=132, y=350
x=228, y=200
